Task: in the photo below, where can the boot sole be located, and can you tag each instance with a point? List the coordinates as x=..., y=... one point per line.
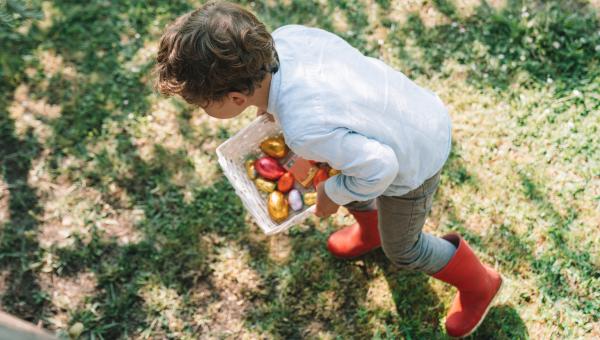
x=486, y=310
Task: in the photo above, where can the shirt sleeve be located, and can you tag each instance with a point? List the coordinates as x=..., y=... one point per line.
x=368, y=167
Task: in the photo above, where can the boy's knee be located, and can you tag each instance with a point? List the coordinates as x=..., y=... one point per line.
x=404, y=256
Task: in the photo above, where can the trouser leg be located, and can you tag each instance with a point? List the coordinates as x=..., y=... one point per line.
x=401, y=220
x=362, y=206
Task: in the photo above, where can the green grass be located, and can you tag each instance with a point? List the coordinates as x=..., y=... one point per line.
x=114, y=213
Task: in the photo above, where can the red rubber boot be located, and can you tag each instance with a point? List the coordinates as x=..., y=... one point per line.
x=357, y=239
x=477, y=285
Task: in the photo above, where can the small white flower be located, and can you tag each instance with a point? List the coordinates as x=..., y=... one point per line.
x=525, y=14
x=462, y=30
x=380, y=41
x=130, y=115
x=137, y=35
x=577, y=93
x=528, y=40
x=501, y=56
x=556, y=44
x=550, y=80
x=454, y=24
x=125, y=102
x=522, y=57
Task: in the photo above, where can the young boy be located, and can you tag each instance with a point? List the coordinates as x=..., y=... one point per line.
x=389, y=137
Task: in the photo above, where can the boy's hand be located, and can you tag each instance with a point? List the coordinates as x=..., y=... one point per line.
x=325, y=206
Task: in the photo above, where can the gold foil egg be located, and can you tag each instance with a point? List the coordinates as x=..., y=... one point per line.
x=274, y=147
x=310, y=198
x=264, y=185
x=278, y=206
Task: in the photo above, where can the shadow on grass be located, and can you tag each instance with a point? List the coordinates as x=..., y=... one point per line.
x=419, y=309
x=501, y=322
x=18, y=242
x=314, y=286
x=170, y=252
x=545, y=40
x=18, y=239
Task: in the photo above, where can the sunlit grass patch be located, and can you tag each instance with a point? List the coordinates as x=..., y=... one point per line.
x=4, y=201
x=67, y=294
x=31, y=113
x=114, y=213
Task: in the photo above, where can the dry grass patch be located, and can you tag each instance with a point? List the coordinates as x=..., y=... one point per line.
x=167, y=304
x=68, y=208
x=379, y=295
x=235, y=282
x=3, y=276
x=29, y=113
x=4, y=203
x=429, y=14
x=67, y=294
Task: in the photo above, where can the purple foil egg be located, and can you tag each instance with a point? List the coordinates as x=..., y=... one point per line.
x=295, y=200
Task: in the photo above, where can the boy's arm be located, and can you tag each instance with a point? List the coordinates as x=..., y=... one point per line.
x=368, y=166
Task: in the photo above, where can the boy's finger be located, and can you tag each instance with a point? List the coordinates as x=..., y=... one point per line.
x=269, y=116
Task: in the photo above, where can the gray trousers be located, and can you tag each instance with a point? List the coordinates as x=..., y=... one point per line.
x=401, y=220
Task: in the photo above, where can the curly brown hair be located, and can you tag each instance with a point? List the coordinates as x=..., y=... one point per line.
x=216, y=49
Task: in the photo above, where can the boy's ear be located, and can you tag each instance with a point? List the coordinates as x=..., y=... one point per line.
x=238, y=98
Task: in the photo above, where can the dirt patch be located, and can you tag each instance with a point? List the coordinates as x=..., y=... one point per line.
x=430, y=16
x=29, y=113
x=165, y=302
x=54, y=64
x=68, y=293
x=379, y=295
x=317, y=330
x=340, y=21
x=68, y=206
x=3, y=276
x=225, y=298
x=4, y=203
x=280, y=248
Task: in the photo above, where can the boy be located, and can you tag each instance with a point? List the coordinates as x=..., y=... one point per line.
x=389, y=137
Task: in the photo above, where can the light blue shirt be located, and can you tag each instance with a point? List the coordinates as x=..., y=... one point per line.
x=386, y=134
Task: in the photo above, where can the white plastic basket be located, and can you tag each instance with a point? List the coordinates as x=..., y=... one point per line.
x=232, y=154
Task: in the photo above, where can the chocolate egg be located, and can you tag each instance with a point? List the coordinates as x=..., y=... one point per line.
x=274, y=147
x=264, y=185
x=310, y=198
x=278, y=206
x=295, y=200
x=250, y=170
x=269, y=168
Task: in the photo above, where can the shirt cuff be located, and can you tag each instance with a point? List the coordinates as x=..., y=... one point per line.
x=336, y=192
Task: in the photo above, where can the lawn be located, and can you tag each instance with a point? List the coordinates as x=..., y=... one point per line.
x=117, y=222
